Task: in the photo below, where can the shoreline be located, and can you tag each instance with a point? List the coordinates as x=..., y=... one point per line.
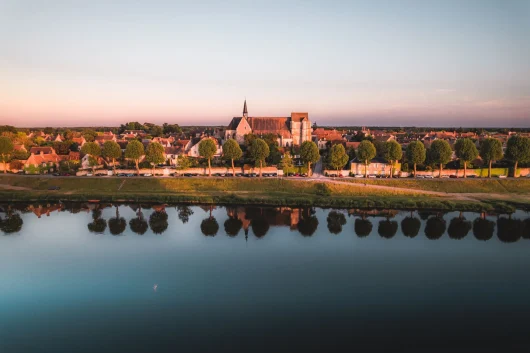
x=264, y=192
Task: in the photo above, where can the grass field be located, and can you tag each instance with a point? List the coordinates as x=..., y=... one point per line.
x=250, y=191
x=518, y=186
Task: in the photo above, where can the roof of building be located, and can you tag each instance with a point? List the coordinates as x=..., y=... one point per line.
x=44, y=150
x=269, y=125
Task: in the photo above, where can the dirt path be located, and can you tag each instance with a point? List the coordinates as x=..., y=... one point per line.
x=12, y=187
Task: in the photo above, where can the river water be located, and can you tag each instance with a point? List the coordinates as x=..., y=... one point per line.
x=159, y=278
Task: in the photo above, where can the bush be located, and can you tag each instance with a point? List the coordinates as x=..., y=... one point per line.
x=322, y=189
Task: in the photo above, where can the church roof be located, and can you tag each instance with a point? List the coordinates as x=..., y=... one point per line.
x=266, y=125
x=233, y=124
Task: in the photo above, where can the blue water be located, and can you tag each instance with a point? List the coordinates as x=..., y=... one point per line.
x=68, y=287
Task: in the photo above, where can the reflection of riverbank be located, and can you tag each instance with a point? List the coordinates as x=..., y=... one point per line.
x=107, y=218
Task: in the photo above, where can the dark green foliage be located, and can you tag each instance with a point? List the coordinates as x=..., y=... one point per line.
x=260, y=226
x=363, y=227
x=509, y=230
x=209, y=226
x=410, y=226
x=232, y=226
x=11, y=224
x=158, y=222
x=435, y=228
x=387, y=228
x=458, y=228
x=336, y=220
x=483, y=229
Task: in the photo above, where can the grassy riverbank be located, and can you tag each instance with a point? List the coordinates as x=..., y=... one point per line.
x=483, y=185
x=230, y=191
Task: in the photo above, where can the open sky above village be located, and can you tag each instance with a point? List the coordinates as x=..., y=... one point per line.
x=388, y=63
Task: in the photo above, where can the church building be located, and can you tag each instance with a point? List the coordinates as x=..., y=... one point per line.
x=291, y=130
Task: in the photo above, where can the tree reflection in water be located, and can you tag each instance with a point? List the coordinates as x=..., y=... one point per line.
x=232, y=226
x=117, y=224
x=158, y=221
x=98, y=225
x=12, y=223
x=308, y=223
x=363, y=227
x=483, y=229
x=458, y=228
x=509, y=230
x=139, y=224
x=387, y=228
x=336, y=220
x=184, y=213
x=435, y=228
x=410, y=226
x=526, y=233
x=261, y=219
x=260, y=226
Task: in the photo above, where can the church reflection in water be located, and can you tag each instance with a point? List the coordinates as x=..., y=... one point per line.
x=106, y=218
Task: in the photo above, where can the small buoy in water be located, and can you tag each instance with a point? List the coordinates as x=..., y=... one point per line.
x=155, y=287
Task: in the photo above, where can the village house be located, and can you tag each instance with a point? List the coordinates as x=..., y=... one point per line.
x=291, y=131
x=42, y=156
x=377, y=166
x=79, y=140
x=194, y=149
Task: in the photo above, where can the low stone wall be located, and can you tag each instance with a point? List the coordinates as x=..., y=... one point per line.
x=167, y=171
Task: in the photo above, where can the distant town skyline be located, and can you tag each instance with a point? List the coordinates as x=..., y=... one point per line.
x=379, y=63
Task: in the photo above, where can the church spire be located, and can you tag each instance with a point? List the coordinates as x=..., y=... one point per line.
x=245, y=111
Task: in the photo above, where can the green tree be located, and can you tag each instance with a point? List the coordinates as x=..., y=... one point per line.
x=440, y=153
x=134, y=152
x=458, y=228
x=287, y=162
x=416, y=154
x=309, y=154
x=155, y=131
x=111, y=151
x=518, y=150
x=392, y=153
x=435, y=227
x=12, y=223
x=94, y=151
x=154, y=154
x=259, y=150
x=6, y=149
x=365, y=153
x=231, y=151
x=207, y=149
x=89, y=135
x=183, y=162
x=490, y=151
x=171, y=128
x=139, y=224
x=466, y=151
x=337, y=157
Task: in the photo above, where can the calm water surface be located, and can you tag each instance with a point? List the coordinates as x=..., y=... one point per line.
x=101, y=278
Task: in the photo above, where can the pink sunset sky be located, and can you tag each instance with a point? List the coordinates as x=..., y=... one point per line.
x=346, y=63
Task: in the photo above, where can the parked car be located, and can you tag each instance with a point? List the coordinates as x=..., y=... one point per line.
x=54, y=188
x=502, y=176
x=89, y=174
x=129, y=175
x=429, y=177
x=303, y=175
x=147, y=174
x=472, y=176
x=56, y=174
x=239, y=174
x=359, y=176
x=451, y=176
x=372, y=176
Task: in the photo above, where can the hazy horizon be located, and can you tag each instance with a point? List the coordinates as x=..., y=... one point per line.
x=380, y=63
